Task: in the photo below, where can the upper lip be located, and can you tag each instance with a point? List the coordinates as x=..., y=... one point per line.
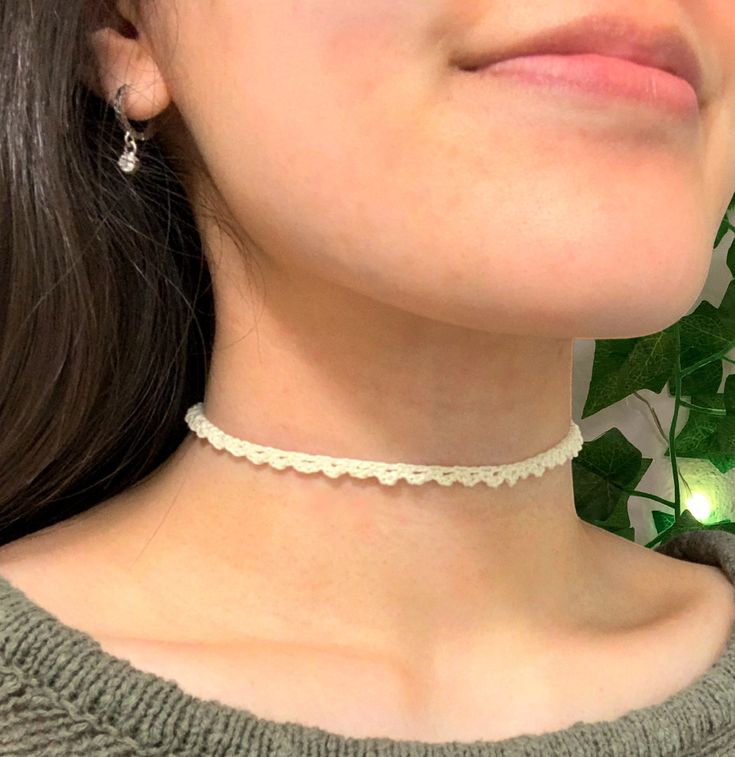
x=663, y=47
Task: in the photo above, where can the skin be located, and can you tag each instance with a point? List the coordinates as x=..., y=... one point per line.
x=409, y=255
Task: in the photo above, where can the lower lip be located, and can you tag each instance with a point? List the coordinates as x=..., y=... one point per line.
x=602, y=75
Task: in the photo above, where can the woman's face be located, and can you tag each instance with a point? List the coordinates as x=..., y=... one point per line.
x=346, y=143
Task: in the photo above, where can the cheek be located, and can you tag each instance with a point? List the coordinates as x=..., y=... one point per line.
x=294, y=129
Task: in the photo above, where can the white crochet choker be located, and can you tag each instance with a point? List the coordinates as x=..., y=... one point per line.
x=386, y=473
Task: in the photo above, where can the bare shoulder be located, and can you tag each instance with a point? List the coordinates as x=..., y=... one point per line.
x=658, y=577
x=694, y=602
x=70, y=570
x=46, y=549
x=696, y=634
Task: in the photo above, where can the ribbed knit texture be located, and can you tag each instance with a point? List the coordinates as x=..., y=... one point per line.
x=62, y=694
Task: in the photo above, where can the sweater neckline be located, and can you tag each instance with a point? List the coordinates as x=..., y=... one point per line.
x=158, y=717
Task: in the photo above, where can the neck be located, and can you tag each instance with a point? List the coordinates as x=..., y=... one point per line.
x=320, y=369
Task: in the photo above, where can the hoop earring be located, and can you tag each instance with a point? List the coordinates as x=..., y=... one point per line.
x=129, y=162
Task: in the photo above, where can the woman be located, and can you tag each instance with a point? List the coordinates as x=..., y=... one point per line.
x=405, y=225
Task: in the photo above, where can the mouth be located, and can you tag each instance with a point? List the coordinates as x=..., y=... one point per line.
x=663, y=48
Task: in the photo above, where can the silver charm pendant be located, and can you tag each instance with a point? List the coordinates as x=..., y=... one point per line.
x=128, y=163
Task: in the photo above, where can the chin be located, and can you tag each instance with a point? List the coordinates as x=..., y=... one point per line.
x=636, y=315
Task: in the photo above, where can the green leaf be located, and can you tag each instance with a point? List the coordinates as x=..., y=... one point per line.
x=728, y=394
x=727, y=304
x=699, y=427
x=708, y=437
x=731, y=257
x=623, y=366
x=704, y=380
x=725, y=438
x=662, y=520
x=725, y=435
x=705, y=333
x=724, y=228
x=685, y=522
x=626, y=533
x=604, y=467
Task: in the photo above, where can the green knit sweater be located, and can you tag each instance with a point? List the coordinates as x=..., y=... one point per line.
x=62, y=694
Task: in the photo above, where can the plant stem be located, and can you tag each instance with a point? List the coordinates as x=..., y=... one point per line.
x=646, y=495
x=672, y=428
x=707, y=410
x=654, y=497
x=706, y=360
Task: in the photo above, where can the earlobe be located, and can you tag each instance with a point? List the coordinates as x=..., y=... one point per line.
x=123, y=60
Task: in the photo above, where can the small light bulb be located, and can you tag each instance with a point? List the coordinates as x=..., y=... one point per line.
x=700, y=506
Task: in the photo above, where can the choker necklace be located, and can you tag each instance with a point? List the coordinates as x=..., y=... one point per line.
x=386, y=473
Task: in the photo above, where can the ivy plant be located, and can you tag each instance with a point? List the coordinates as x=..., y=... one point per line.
x=687, y=358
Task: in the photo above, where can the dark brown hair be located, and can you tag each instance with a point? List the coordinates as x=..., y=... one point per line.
x=106, y=309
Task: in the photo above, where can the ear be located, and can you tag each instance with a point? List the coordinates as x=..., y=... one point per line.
x=123, y=55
